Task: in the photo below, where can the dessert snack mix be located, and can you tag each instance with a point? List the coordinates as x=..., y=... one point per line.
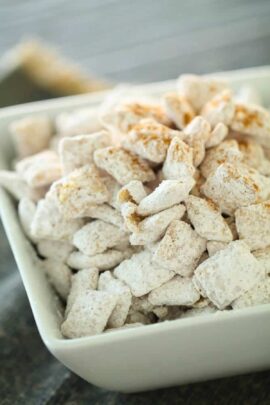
x=148, y=210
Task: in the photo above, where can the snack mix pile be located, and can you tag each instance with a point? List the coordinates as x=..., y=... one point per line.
x=146, y=210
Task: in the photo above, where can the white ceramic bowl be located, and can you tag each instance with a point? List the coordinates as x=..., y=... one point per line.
x=147, y=357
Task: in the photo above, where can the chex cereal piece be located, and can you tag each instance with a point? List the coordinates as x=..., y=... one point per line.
x=253, y=224
x=49, y=223
x=233, y=186
x=141, y=274
x=103, y=261
x=54, y=249
x=179, y=161
x=227, y=151
x=198, y=128
x=130, y=216
x=263, y=256
x=89, y=314
x=180, y=249
x=124, y=166
x=83, y=280
x=97, y=236
x=178, y=109
x=150, y=140
x=82, y=121
x=80, y=189
x=104, y=212
x=199, y=89
x=59, y=275
x=78, y=151
x=26, y=211
x=197, y=132
x=252, y=120
x=112, y=285
x=214, y=246
x=253, y=155
x=13, y=183
x=258, y=295
x=177, y=291
x=127, y=114
x=228, y=274
x=167, y=194
x=31, y=134
x=153, y=228
x=41, y=169
x=217, y=135
x=220, y=108
x=134, y=192
x=207, y=220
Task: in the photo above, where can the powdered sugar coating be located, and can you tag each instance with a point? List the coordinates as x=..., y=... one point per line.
x=228, y=274
x=150, y=140
x=103, y=261
x=141, y=274
x=180, y=249
x=233, y=186
x=252, y=120
x=152, y=228
x=104, y=212
x=41, y=169
x=59, y=275
x=110, y=284
x=49, y=222
x=89, y=314
x=26, y=211
x=124, y=166
x=177, y=291
x=31, y=134
x=98, y=236
x=258, y=295
x=214, y=246
x=227, y=151
x=179, y=161
x=217, y=135
x=207, y=220
x=79, y=190
x=178, y=109
x=199, y=89
x=54, y=249
x=134, y=192
x=83, y=280
x=78, y=151
x=220, y=108
x=253, y=225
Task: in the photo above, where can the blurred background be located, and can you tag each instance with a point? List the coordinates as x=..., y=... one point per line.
x=131, y=41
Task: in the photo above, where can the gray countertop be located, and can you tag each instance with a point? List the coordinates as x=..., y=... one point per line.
x=142, y=40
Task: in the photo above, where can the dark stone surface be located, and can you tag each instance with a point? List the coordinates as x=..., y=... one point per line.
x=142, y=40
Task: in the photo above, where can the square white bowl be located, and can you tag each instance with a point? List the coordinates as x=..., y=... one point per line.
x=152, y=356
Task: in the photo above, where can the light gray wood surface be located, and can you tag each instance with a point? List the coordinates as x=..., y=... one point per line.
x=123, y=40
